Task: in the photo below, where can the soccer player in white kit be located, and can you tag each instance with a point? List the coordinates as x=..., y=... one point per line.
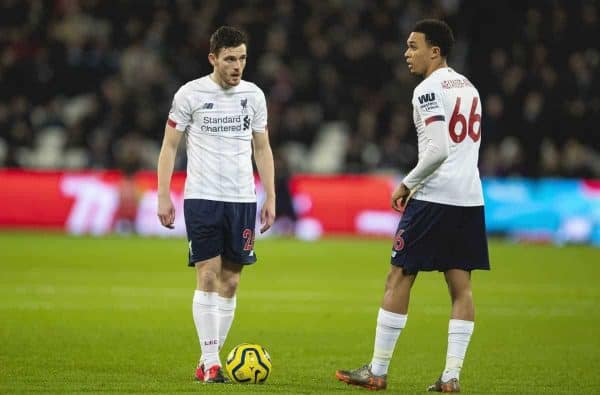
x=443, y=225
x=224, y=119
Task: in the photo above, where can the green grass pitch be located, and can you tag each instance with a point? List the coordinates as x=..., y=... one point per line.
x=114, y=315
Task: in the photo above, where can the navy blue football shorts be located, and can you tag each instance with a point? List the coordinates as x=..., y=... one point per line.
x=434, y=236
x=220, y=228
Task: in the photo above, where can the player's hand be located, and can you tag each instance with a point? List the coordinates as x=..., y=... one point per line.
x=400, y=198
x=267, y=214
x=166, y=212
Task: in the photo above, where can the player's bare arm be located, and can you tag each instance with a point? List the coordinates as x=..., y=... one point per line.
x=166, y=163
x=263, y=156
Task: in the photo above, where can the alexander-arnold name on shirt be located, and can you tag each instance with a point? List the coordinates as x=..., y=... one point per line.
x=458, y=83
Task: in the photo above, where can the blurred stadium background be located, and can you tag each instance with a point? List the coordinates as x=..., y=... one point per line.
x=86, y=85
x=85, y=88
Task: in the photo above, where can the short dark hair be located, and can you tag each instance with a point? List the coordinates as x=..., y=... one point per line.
x=227, y=37
x=437, y=33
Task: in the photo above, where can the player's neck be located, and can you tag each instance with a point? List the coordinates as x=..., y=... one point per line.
x=436, y=65
x=215, y=78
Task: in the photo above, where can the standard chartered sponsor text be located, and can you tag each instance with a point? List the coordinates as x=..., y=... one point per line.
x=222, y=124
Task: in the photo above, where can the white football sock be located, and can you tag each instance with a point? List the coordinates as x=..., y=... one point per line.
x=226, y=308
x=206, y=318
x=389, y=326
x=459, y=335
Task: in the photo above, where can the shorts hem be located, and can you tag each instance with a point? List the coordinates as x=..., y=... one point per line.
x=241, y=260
x=195, y=259
x=415, y=270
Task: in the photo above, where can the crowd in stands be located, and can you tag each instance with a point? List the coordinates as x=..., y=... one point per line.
x=89, y=83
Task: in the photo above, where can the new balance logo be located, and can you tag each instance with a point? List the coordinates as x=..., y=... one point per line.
x=426, y=98
x=208, y=106
x=246, y=122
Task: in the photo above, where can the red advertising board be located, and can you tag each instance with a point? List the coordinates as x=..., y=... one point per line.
x=95, y=202
x=345, y=204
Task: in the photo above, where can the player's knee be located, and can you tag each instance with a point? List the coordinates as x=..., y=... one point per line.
x=396, y=279
x=389, y=281
x=229, y=284
x=463, y=295
x=207, y=280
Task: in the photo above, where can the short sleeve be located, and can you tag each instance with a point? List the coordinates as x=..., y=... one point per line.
x=428, y=103
x=180, y=115
x=259, y=123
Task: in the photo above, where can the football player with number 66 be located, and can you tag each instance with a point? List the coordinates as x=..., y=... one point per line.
x=443, y=225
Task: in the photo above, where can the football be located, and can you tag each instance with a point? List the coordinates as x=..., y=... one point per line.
x=248, y=364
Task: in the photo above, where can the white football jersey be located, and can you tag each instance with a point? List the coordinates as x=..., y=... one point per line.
x=450, y=97
x=218, y=125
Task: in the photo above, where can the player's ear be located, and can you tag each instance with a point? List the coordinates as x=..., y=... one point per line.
x=212, y=59
x=435, y=52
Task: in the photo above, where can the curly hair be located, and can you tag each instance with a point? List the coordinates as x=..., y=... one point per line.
x=437, y=33
x=227, y=37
